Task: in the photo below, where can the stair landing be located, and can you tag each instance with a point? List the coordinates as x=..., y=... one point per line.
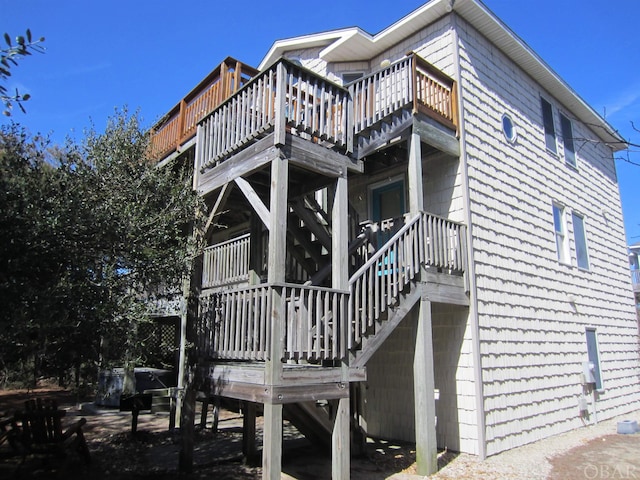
x=298, y=383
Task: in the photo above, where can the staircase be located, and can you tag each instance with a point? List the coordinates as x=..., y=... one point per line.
x=322, y=325
x=235, y=322
x=382, y=292
x=313, y=420
x=309, y=240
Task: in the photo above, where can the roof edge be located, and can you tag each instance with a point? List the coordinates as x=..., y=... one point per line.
x=477, y=14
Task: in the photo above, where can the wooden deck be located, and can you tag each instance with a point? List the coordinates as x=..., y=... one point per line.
x=178, y=126
x=298, y=383
x=322, y=324
x=287, y=102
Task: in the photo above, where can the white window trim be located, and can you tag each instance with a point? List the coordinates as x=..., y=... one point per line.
x=573, y=164
x=514, y=131
x=562, y=247
x=597, y=366
x=351, y=72
x=553, y=151
x=575, y=214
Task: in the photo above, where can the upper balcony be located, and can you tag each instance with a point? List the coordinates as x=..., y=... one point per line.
x=178, y=126
x=635, y=280
x=289, y=100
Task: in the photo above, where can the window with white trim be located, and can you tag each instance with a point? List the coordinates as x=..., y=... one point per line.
x=593, y=352
x=560, y=227
x=348, y=77
x=567, y=138
x=580, y=237
x=549, y=126
x=508, y=128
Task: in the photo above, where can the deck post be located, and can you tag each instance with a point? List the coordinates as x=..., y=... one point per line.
x=340, y=438
x=414, y=174
x=272, y=436
x=249, y=432
x=279, y=131
x=255, y=248
x=187, y=414
x=424, y=395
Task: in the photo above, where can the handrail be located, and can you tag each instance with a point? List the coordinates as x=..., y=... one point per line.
x=322, y=323
x=377, y=256
x=226, y=262
x=424, y=240
x=285, y=98
x=635, y=278
x=409, y=81
x=435, y=93
x=179, y=124
x=237, y=324
x=288, y=98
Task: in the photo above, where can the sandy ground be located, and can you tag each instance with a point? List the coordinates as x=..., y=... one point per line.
x=594, y=452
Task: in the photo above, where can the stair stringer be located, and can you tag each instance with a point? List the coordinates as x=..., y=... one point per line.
x=398, y=313
x=312, y=421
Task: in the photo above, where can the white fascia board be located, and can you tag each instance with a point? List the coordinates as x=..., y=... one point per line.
x=481, y=18
x=354, y=44
x=280, y=47
x=368, y=45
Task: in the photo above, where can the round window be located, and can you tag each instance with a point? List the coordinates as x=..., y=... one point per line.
x=508, y=128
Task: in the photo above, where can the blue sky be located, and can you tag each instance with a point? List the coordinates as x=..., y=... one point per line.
x=147, y=54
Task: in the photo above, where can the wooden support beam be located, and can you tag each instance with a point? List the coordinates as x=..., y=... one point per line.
x=255, y=250
x=254, y=199
x=340, y=237
x=249, y=432
x=280, y=128
x=341, y=438
x=217, y=207
x=272, y=438
x=276, y=266
x=242, y=163
x=446, y=288
x=414, y=175
x=424, y=395
x=340, y=441
x=318, y=158
x=437, y=136
x=272, y=442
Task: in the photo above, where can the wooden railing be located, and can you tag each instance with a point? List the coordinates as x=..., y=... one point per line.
x=179, y=124
x=226, y=263
x=323, y=323
x=237, y=324
x=635, y=279
x=424, y=240
x=411, y=81
x=284, y=98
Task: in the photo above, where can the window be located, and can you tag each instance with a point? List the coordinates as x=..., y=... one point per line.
x=560, y=229
x=582, y=256
x=508, y=128
x=549, y=128
x=594, y=356
x=348, y=77
x=567, y=137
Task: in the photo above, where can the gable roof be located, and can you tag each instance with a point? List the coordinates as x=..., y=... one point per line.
x=353, y=44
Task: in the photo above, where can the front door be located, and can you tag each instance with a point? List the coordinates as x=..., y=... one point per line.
x=387, y=208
